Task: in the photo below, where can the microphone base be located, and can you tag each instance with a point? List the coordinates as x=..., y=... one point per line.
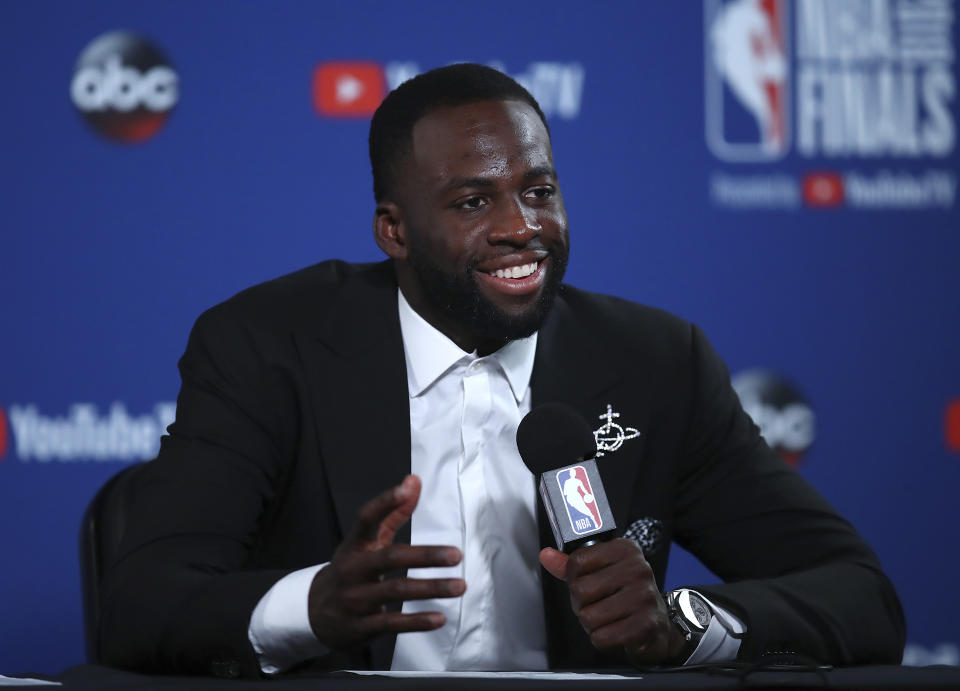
x=589, y=541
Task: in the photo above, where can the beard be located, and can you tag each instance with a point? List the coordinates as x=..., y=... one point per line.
x=460, y=299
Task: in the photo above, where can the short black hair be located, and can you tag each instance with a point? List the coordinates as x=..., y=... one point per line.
x=391, y=128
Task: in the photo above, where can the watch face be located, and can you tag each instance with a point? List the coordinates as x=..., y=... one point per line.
x=700, y=610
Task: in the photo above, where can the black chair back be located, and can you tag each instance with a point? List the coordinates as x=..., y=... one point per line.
x=101, y=531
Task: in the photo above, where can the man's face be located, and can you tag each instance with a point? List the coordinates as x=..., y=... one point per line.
x=483, y=221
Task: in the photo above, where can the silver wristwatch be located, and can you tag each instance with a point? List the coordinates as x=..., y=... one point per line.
x=692, y=613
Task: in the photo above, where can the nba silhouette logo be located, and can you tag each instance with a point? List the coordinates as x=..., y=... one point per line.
x=578, y=498
x=747, y=79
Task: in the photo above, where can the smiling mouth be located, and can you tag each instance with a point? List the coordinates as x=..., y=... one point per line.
x=519, y=271
x=518, y=281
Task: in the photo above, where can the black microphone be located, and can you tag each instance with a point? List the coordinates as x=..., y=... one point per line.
x=557, y=445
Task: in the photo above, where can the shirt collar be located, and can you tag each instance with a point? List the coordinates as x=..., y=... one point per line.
x=429, y=354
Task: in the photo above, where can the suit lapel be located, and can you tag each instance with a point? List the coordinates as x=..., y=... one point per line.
x=359, y=388
x=571, y=368
x=358, y=382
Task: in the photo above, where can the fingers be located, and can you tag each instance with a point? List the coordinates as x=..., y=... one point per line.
x=370, y=597
x=626, y=633
x=614, y=594
x=366, y=566
x=396, y=622
x=380, y=517
x=593, y=587
x=597, y=557
x=602, y=571
x=631, y=620
x=346, y=603
x=603, y=613
x=554, y=562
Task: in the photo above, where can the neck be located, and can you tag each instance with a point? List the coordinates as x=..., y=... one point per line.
x=447, y=325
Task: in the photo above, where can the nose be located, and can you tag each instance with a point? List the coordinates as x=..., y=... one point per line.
x=516, y=225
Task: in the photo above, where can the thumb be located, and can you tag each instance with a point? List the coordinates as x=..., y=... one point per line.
x=381, y=517
x=555, y=562
x=410, y=495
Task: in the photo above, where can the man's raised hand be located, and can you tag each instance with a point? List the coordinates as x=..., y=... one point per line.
x=348, y=598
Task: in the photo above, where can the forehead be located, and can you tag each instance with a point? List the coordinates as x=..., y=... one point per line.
x=488, y=138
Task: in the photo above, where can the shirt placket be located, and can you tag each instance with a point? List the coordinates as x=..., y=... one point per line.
x=477, y=601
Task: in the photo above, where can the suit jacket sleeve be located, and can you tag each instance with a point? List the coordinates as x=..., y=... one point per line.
x=181, y=595
x=797, y=573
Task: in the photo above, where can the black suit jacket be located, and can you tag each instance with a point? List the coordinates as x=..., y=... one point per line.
x=294, y=411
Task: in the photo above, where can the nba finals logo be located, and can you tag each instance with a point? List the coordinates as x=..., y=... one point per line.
x=578, y=498
x=747, y=79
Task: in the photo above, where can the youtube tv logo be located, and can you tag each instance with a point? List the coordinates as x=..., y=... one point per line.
x=348, y=89
x=823, y=190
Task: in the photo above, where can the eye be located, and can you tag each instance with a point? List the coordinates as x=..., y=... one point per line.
x=542, y=192
x=471, y=203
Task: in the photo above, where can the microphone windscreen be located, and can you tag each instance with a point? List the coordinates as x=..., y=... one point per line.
x=553, y=435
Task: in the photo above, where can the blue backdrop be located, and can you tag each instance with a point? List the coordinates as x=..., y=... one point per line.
x=782, y=173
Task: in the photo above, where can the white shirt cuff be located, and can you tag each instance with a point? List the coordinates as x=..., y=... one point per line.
x=279, y=629
x=719, y=643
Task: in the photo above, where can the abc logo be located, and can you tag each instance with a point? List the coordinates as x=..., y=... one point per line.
x=124, y=87
x=785, y=420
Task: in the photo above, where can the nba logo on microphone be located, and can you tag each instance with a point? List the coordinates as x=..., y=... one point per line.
x=579, y=500
x=747, y=79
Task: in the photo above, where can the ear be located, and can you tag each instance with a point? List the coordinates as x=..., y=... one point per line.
x=389, y=230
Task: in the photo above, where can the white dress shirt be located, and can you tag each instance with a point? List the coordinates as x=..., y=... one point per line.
x=476, y=495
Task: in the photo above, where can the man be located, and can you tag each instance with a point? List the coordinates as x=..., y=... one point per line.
x=255, y=546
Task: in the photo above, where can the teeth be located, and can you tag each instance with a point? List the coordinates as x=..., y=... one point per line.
x=516, y=271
